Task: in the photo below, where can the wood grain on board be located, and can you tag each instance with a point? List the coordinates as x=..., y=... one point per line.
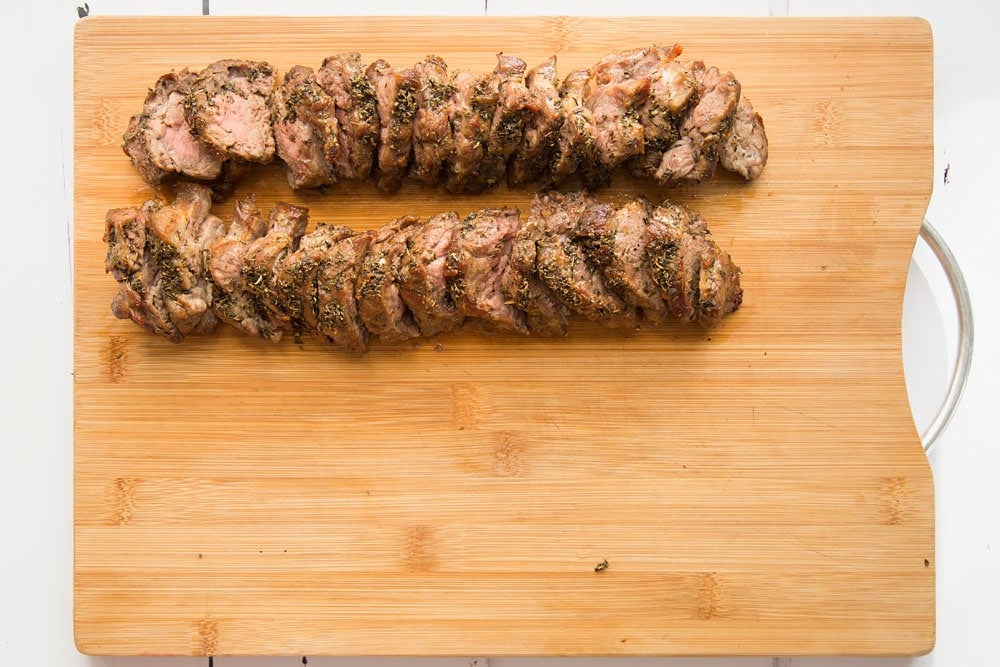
x=755, y=489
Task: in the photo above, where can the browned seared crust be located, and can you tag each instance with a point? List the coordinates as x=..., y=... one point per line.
x=621, y=265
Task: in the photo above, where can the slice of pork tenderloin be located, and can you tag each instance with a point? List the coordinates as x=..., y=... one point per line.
x=617, y=244
x=286, y=225
x=541, y=132
x=472, y=168
x=576, y=146
x=546, y=315
x=671, y=91
x=475, y=269
x=232, y=302
x=380, y=303
x=564, y=267
x=229, y=108
x=423, y=284
x=744, y=149
x=140, y=295
x=305, y=129
x=177, y=235
x=614, y=96
x=164, y=283
x=719, y=291
x=295, y=277
x=676, y=240
x=433, y=142
x=516, y=108
x=159, y=140
x=343, y=78
x=698, y=280
x=396, y=103
x=694, y=156
x=336, y=299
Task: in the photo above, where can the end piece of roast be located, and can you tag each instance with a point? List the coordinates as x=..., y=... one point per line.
x=156, y=252
x=160, y=141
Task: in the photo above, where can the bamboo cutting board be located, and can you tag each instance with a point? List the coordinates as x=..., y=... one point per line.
x=755, y=489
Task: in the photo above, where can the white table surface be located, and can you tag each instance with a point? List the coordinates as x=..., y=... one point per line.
x=36, y=333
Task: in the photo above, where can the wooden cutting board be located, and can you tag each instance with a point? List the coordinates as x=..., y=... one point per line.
x=755, y=489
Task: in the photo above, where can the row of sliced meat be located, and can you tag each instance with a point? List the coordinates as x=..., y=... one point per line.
x=181, y=270
x=642, y=110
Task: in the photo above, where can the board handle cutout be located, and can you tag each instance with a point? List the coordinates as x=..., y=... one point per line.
x=966, y=331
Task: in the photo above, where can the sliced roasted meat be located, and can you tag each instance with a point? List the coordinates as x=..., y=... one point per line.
x=744, y=149
x=694, y=156
x=380, y=303
x=229, y=108
x=617, y=244
x=168, y=291
x=336, y=302
x=562, y=262
x=697, y=280
x=675, y=244
x=614, y=97
x=177, y=235
x=663, y=119
x=476, y=266
x=305, y=129
x=295, y=277
x=546, y=314
x=573, y=253
x=160, y=141
x=541, y=131
x=516, y=106
x=423, y=282
x=671, y=90
x=576, y=145
x=140, y=295
x=343, y=78
x=719, y=291
x=286, y=225
x=472, y=168
x=232, y=302
x=433, y=142
x=396, y=104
